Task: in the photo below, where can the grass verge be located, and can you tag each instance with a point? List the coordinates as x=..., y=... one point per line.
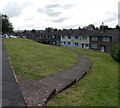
x=98, y=88
x=34, y=60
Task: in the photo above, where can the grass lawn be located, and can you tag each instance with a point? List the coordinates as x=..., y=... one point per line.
x=34, y=60
x=98, y=88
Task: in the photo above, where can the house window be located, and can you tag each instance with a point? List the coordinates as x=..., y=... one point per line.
x=69, y=37
x=94, y=46
x=64, y=42
x=94, y=38
x=82, y=45
x=76, y=44
x=87, y=45
x=84, y=37
x=63, y=36
x=80, y=38
x=53, y=36
x=76, y=37
x=106, y=39
x=69, y=43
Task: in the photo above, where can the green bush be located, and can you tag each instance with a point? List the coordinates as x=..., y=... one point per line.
x=115, y=52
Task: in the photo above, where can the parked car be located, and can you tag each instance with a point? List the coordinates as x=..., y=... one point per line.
x=1, y=36
x=12, y=36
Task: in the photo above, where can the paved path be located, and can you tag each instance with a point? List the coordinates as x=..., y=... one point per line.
x=11, y=93
x=36, y=93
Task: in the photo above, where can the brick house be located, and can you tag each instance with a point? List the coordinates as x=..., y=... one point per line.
x=101, y=40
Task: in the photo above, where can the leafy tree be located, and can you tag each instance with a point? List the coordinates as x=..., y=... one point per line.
x=0, y=23
x=110, y=28
x=64, y=29
x=83, y=28
x=79, y=28
x=115, y=52
x=49, y=29
x=96, y=28
x=90, y=26
x=7, y=26
x=33, y=31
x=104, y=27
x=59, y=29
x=117, y=27
x=55, y=29
x=70, y=29
x=24, y=31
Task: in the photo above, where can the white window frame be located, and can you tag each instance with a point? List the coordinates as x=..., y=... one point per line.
x=69, y=37
x=94, y=46
x=94, y=38
x=106, y=39
x=69, y=43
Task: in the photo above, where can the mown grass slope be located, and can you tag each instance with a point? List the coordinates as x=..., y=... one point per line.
x=98, y=88
x=34, y=60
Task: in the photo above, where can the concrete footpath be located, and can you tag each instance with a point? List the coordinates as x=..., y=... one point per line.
x=11, y=93
x=37, y=92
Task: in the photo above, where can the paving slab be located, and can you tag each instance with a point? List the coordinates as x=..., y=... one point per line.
x=35, y=93
x=72, y=76
x=56, y=82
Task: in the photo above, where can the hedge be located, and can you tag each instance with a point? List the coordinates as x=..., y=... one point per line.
x=115, y=52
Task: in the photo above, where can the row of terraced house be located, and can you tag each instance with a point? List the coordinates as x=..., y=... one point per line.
x=101, y=40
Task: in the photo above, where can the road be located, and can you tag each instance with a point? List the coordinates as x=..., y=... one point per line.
x=11, y=93
x=0, y=72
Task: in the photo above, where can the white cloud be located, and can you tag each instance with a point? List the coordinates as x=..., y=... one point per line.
x=39, y=14
x=13, y=9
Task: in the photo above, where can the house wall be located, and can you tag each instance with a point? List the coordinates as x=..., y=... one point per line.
x=100, y=43
x=76, y=41
x=55, y=38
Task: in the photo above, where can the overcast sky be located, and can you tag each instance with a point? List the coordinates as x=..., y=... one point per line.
x=39, y=14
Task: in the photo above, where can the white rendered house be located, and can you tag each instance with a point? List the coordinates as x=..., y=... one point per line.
x=75, y=41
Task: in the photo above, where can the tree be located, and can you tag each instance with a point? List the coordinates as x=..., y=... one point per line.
x=79, y=28
x=55, y=29
x=90, y=26
x=7, y=26
x=59, y=29
x=33, y=31
x=115, y=52
x=24, y=31
x=96, y=28
x=117, y=27
x=0, y=23
x=104, y=27
x=49, y=29
x=64, y=29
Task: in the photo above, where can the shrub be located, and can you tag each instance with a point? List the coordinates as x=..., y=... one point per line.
x=115, y=52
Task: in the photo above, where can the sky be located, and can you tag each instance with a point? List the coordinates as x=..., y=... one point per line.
x=40, y=14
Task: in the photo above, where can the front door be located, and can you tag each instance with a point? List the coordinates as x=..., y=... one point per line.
x=102, y=48
x=82, y=45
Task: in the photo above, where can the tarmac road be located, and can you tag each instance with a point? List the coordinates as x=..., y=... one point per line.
x=0, y=72
x=11, y=93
